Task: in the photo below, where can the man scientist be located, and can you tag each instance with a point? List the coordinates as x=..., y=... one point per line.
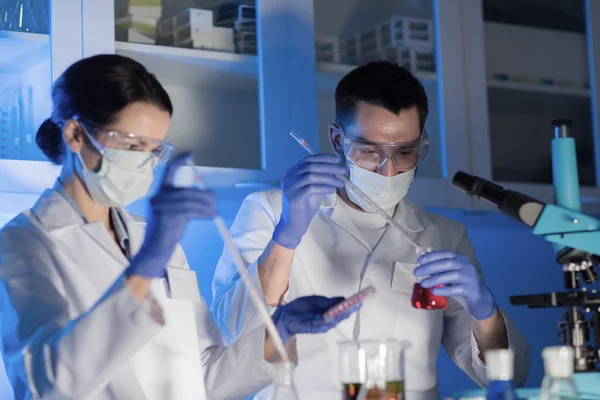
x=315, y=236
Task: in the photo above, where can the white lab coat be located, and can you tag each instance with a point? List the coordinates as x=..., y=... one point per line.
x=334, y=260
x=71, y=328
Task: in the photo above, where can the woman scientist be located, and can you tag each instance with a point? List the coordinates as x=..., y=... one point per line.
x=98, y=304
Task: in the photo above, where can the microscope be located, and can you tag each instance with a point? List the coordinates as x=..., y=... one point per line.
x=576, y=240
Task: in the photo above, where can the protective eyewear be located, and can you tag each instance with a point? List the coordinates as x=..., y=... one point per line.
x=150, y=149
x=371, y=156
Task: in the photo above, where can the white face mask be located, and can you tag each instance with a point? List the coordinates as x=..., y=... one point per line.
x=121, y=180
x=385, y=191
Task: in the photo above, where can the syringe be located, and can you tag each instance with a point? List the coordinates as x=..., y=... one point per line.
x=363, y=196
x=243, y=271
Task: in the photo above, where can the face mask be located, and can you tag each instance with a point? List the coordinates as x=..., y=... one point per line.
x=385, y=191
x=120, y=180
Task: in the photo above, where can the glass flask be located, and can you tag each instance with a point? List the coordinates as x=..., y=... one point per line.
x=283, y=386
x=372, y=369
x=558, y=380
x=423, y=298
x=500, y=370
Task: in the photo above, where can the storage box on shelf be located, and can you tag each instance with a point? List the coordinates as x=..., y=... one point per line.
x=193, y=28
x=229, y=13
x=406, y=41
x=328, y=49
x=136, y=20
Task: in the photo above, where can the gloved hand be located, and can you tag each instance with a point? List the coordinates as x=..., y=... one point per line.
x=305, y=315
x=303, y=188
x=170, y=211
x=460, y=278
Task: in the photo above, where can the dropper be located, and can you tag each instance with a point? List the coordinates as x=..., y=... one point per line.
x=361, y=194
x=243, y=271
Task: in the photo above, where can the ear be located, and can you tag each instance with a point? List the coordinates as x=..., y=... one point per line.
x=335, y=139
x=73, y=135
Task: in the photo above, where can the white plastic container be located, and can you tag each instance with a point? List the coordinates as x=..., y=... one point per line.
x=327, y=49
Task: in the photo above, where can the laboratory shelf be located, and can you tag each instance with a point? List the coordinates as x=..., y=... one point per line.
x=329, y=74
x=541, y=89
x=22, y=176
x=195, y=67
x=20, y=50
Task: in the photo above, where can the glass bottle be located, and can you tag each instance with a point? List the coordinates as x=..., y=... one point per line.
x=558, y=380
x=500, y=367
x=283, y=386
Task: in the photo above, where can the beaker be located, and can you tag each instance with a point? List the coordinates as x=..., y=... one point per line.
x=283, y=384
x=423, y=298
x=372, y=369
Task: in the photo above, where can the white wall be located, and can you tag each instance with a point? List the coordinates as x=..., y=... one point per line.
x=221, y=126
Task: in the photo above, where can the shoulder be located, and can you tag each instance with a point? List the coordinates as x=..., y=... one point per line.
x=22, y=230
x=25, y=247
x=268, y=201
x=264, y=198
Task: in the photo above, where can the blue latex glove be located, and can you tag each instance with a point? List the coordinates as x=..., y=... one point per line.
x=305, y=315
x=170, y=211
x=303, y=188
x=460, y=278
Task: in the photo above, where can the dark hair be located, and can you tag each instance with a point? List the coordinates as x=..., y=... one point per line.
x=96, y=89
x=379, y=83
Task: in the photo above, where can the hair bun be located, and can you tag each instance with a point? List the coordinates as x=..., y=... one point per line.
x=49, y=140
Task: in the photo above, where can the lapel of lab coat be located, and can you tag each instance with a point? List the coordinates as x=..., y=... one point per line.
x=63, y=220
x=335, y=211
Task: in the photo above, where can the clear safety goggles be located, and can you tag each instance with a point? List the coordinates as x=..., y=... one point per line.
x=149, y=149
x=371, y=156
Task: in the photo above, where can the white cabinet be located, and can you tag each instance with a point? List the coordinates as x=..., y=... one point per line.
x=38, y=40
x=521, y=77
x=428, y=29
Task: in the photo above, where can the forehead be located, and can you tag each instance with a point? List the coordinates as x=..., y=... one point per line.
x=142, y=119
x=376, y=124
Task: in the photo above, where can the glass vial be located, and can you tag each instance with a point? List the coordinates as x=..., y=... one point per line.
x=558, y=380
x=500, y=369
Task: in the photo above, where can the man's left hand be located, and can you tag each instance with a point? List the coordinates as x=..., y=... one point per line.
x=459, y=277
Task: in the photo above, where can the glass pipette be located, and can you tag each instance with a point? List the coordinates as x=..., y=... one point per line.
x=359, y=192
x=243, y=270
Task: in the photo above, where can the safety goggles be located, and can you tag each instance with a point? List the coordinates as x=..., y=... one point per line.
x=371, y=156
x=149, y=149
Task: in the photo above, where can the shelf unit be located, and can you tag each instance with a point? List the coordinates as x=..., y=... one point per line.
x=197, y=68
x=510, y=128
x=539, y=89
x=329, y=74
x=20, y=50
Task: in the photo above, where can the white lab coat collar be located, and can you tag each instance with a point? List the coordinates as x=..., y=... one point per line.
x=407, y=213
x=56, y=211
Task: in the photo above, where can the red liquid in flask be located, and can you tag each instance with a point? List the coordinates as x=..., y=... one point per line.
x=424, y=299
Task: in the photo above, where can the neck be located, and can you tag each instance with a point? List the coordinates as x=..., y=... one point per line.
x=343, y=194
x=79, y=194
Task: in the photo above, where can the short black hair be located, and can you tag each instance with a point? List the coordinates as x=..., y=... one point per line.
x=96, y=89
x=379, y=83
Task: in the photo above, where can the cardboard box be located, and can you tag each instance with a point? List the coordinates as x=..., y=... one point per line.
x=193, y=16
x=143, y=25
x=142, y=8
x=211, y=38
x=133, y=36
